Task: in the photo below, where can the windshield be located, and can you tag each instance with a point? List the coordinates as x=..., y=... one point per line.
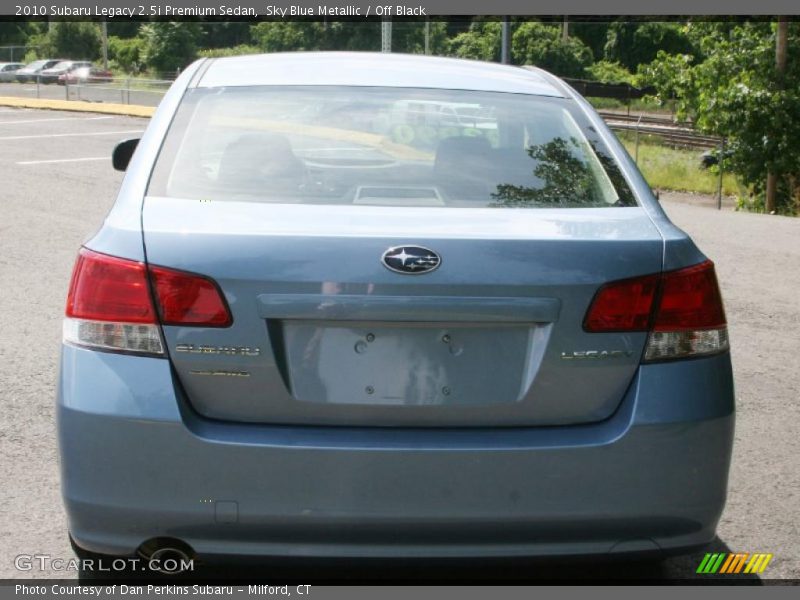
x=36, y=64
x=385, y=146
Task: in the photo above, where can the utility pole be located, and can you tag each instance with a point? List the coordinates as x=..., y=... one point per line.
x=427, y=35
x=780, y=66
x=386, y=35
x=505, y=42
x=104, y=31
x=565, y=29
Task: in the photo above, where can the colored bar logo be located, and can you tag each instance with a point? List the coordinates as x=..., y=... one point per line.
x=731, y=564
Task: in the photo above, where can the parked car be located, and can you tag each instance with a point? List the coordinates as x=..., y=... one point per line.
x=8, y=71
x=52, y=74
x=308, y=329
x=84, y=75
x=30, y=71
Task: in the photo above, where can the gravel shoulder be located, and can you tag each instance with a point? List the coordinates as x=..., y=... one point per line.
x=758, y=265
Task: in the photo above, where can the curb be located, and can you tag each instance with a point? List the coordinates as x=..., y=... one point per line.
x=130, y=110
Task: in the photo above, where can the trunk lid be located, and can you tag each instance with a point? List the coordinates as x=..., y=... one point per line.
x=324, y=334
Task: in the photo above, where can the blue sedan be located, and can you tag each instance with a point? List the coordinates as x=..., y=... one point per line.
x=375, y=305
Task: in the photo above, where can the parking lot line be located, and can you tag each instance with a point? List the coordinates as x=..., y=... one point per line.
x=52, y=120
x=62, y=160
x=55, y=135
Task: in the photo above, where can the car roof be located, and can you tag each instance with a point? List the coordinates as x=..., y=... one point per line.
x=374, y=69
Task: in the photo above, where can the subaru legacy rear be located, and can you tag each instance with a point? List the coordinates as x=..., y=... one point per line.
x=389, y=306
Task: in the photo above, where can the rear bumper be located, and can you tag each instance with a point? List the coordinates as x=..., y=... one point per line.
x=138, y=464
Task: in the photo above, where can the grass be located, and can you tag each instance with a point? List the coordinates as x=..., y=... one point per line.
x=639, y=105
x=678, y=169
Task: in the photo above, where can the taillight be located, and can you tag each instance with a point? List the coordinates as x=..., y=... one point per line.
x=188, y=299
x=110, y=305
x=623, y=305
x=681, y=309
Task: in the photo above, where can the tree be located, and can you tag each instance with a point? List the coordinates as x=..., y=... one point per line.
x=126, y=54
x=737, y=92
x=169, y=46
x=610, y=72
x=632, y=43
x=15, y=35
x=542, y=45
x=480, y=42
x=287, y=36
x=76, y=40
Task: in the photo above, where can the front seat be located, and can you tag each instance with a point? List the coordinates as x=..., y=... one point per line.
x=259, y=160
x=462, y=166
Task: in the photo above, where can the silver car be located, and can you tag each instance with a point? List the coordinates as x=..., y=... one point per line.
x=322, y=320
x=8, y=71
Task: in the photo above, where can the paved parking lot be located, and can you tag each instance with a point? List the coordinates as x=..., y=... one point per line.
x=56, y=184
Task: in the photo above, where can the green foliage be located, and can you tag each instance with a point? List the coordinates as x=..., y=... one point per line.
x=123, y=29
x=239, y=50
x=170, y=46
x=225, y=34
x=285, y=36
x=17, y=32
x=737, y=92
x=126, y=54
x=292, y=36
x=593, y=34
x=610, y=72
x=76, y=40
x=632, y=43
x=480, y=42
x=542, y=45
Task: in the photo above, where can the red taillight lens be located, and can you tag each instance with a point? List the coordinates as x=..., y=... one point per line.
x=188, y=299
x=690, y=300
x=681, y=309
x=107, y=288
x=623, y=305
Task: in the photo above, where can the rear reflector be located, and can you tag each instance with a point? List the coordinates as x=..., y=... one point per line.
x=681, y=309
x=109, y=304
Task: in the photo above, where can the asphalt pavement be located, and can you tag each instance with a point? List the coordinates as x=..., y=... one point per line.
x=56, y=185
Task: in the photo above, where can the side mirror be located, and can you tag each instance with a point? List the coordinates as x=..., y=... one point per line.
x=123, y=152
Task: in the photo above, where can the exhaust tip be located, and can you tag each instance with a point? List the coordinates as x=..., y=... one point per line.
x=168, y=556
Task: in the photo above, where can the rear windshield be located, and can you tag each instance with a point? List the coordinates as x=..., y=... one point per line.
x=385, y=147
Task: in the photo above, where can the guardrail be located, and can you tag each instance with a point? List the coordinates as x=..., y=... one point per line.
x=143, y=91
x=122, y=90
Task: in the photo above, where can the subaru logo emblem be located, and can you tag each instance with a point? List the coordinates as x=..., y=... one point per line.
x=410, y=260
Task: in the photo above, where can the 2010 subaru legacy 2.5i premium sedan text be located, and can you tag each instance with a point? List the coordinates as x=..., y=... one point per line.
x=389, y=306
